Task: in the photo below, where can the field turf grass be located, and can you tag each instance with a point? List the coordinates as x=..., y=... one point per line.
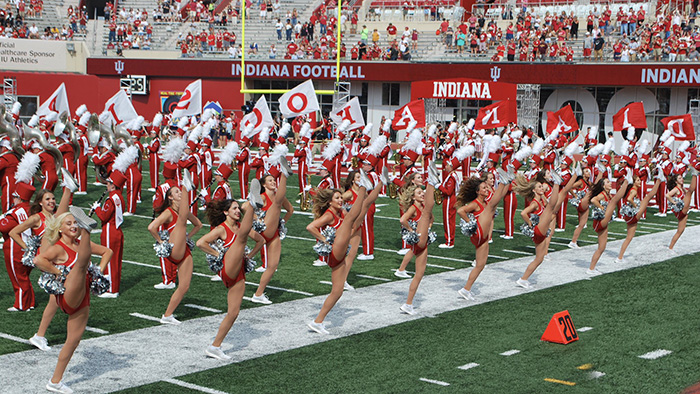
x=632, y=312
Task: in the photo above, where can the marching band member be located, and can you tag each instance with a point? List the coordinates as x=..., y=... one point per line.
x=8, y=166
x=83, y=156
x=369, y=162
x=303, y=157
x=448, y=189
x=243, y=158
x=18, y=272
x=48, y=167
x=207, y=162
x=153, y=148
x=190, y=162
x=103, y=158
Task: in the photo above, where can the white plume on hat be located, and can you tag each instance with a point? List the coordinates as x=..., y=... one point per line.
x=665, y=135
x=284, y=130
x=643, y=147
x=377, y=145
x=538, y=146
x=411, y=125
x=343, y=126
x=368, y=129
x=607, y=147
x=84, y=118
x=174, y=149
x=51, y=116
x=596, y=150
x=195, y=134
x=684, y=146
x=34, y=121
x=523, y=154
x=136, y=124
x=593, y=133
x=571, y=149
x=277, y=153
x=126, y=158
x=81, y=110
x=630, y=133
x=104, y=117
x=182, y=123
x=669, y=142
x=471, y=123
x=157, y=120
x=464, y=152
x=229, y=153
x=387, y=125
x=27, y=167
x=414, y=141
x=208, y=113
x=624, y=148
x=264, y=135
x=516, y=134
x=332, y=149
x=452, y=128
x=16, y=107
x=305, y=130
x=432, y=130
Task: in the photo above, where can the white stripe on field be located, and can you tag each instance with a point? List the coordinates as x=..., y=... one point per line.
x=194, y=386
x=325, y=282
x=158, y=267
x=596, y=374
x=146, y=317
x=517, y=252
x=655, y=354
x=558, y=243
x=203, y=308
x=14, y=338
x=534, y=247
x=584, y=329
x=282, y=289
x=438, y=382
x=510, y=352
x=248, y=299
x=96, y=330
x=438, y=266
x=373, y=278
x=468, y=366
x=610, y=232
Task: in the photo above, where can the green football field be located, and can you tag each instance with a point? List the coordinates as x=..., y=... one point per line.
x=393, y=359
x=629, y=313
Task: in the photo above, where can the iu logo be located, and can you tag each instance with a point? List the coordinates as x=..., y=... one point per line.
x=119, y=67
x=495, y=73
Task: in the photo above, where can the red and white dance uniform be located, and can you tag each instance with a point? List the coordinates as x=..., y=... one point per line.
x=538, y=237
x=681, y=195
x=596, y=223
x=480, y=236
x=111, y=213
x=192, y=164
x=72, y=259
x=230, y=238
x=331, y=259
x=18, y=272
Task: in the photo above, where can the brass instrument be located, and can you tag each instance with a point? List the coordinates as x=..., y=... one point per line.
x=31, y=133
x=8, y=129
x=96, y=130
x=355, y=162
x=438, y=197
x=393, y=190
x=65, y=122
x=120, y=132
x=306, y=201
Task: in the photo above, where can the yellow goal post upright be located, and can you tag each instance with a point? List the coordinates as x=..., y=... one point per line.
x=282, y=91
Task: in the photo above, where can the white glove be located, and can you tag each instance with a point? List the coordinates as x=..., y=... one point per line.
x=204, y=193
x=95, y=205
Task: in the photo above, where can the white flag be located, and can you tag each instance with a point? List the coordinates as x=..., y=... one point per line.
x=118, y=109
x=191, y=101
x=259, y=118
x=350, y=112
x=299, y=101
x=57, y=102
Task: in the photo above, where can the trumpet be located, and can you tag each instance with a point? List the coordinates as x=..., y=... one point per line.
x=438, y=197
x=355, y=162
x=65, y=123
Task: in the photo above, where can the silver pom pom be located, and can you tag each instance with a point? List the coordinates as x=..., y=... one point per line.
x=33, y=243
x=282, y=229
x=216, y=263
x=53, y=283
x=527, y=230
x=597, y=213
x=190, y=243
x=677, y=205
x=325, y=248
x=629, y=210
x=468, y=227
x=250, y=264
x=410, y=237
x=432, y=236
x=347, y=206
x=577, y=197
x=259, y=223
x=99, y=284
x=163, y=249
x=496, y=212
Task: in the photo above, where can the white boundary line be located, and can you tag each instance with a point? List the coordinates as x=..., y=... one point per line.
x=14, y=338
x=193, y=386
x=373, y=278
x=518, y=252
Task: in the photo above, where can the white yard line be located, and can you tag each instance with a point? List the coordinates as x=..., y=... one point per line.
x=14, y=338
x=145, y=317
x=194, y=386
x=203, y=308
x=438, y=382
x=584, y=329
x=518, y=252
x=282, y=326
x=510, y=352
x=373, y=278
x=468, y=366
x=96, y=330
x=655, y=354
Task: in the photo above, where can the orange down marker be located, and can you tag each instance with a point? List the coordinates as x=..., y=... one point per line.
x=560, y=329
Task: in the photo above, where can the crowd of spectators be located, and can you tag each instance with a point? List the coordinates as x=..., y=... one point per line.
x=17, y=20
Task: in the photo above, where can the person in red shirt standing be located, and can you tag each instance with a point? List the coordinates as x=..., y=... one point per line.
x=243, y=159
x=103, y=159
x=391, y=32
x=448, y=189
x=111, y=213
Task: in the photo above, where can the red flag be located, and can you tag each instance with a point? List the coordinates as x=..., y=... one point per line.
x=564, y=120
x=631, y=115
x=681, y=127
x=414, y=110
x=495, y=115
